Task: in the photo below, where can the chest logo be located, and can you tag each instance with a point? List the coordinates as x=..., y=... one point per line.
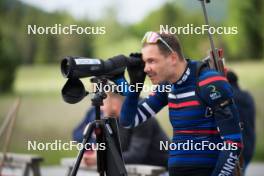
x=214, y=94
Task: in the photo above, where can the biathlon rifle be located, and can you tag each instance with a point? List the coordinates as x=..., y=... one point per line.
x=215, y=59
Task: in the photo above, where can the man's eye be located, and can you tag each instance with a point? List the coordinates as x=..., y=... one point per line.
x=151, y=61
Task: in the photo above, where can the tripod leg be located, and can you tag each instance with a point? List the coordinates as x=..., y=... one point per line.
x=87, y=136
x=100, y=138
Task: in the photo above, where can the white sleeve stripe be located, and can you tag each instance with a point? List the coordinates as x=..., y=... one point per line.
x=182, y=95
x=136, y=121
x=146, y=106
x=185, y=95
x=144, y=117
x=172, y=96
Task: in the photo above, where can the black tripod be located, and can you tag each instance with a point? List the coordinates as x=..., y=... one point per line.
x=110, y=161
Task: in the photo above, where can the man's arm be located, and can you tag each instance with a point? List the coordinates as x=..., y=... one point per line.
x=217, y=94
x=134, y=113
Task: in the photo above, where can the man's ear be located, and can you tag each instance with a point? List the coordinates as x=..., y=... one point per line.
x=174, y=58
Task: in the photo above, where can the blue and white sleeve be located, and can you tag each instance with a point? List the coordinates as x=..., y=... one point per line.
x=134, y=112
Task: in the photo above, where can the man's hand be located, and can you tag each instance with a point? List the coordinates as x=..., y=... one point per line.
x=89, y=158
x=136, y=72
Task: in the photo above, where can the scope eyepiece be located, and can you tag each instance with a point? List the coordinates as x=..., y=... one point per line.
x=65, y=67
x=80, y=67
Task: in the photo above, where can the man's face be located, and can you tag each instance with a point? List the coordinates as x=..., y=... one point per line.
x=157, y=66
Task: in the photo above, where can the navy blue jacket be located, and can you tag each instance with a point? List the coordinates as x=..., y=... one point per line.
x=188, y=112
x=247, y=112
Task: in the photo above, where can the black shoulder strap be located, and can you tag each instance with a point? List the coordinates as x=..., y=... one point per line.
x=201, y=66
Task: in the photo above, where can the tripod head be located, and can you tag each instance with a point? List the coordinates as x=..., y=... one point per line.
x=99, y=96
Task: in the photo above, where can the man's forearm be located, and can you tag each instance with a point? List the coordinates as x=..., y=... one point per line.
x=228, y=124
x=129, y=109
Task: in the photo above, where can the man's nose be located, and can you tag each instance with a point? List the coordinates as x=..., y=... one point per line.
x=146, y=68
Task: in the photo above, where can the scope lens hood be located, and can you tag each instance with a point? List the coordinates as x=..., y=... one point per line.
x=73, y=91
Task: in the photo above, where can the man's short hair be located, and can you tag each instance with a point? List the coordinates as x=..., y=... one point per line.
x=173, y=41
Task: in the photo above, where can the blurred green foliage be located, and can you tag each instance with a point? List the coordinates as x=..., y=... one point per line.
x=17, y=47
x=8, y=61
x=47, y=48
x=248, y=17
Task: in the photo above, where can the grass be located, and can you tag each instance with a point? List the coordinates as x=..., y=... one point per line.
x=44, y=117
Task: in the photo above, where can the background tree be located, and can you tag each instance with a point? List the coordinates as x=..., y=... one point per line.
x=248, y=17
x=9, y=59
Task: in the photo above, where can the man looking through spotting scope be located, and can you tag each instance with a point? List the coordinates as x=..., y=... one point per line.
x=200, y=106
